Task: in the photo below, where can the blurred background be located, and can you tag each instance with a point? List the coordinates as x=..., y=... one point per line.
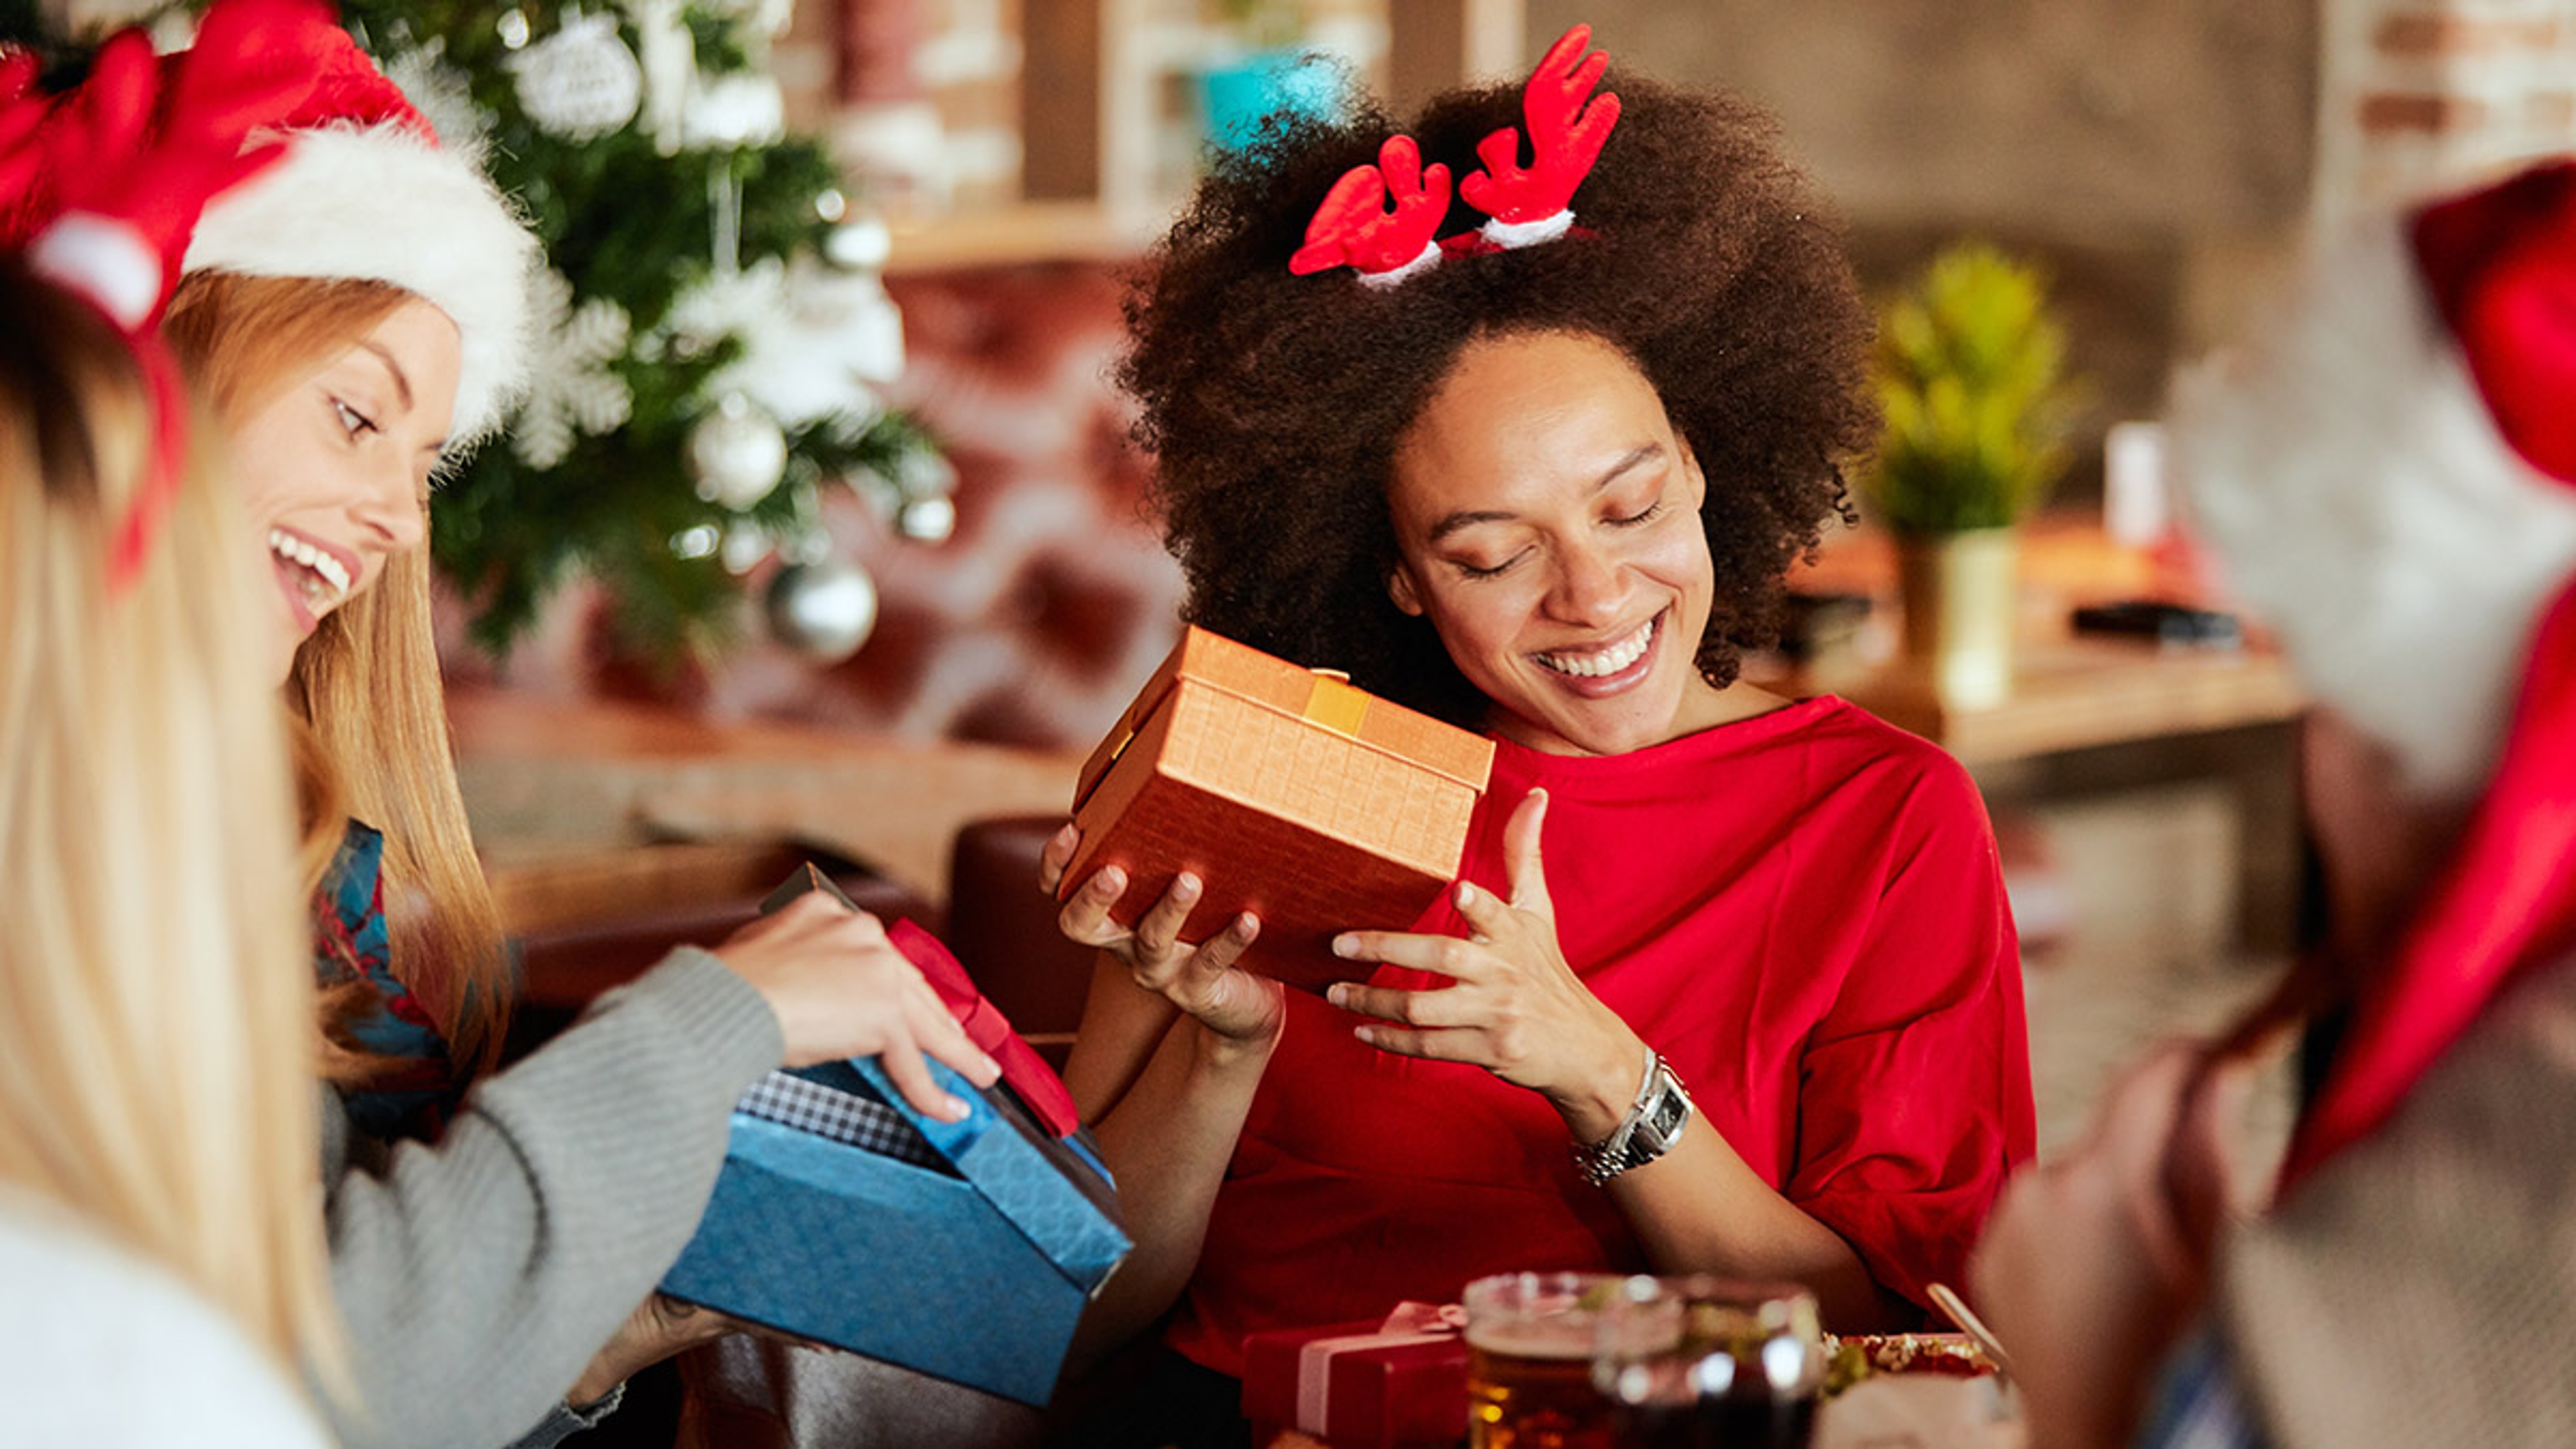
x=663, y=695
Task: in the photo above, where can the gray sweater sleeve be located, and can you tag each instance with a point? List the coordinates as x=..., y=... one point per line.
x=480, y=1275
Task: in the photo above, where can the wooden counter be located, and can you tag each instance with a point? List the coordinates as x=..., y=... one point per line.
x=549, y=781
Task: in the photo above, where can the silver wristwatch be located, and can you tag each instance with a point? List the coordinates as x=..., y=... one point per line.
x=1653, y=1124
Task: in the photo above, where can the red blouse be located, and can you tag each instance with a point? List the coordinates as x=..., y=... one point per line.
x=1802, y=911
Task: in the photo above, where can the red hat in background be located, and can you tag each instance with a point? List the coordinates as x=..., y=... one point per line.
x=2391, y=480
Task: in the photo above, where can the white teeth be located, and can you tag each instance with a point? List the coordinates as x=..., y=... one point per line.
x=1606, y=661
x=329, y=583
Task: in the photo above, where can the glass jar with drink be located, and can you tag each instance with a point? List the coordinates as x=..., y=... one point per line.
x=1597, y=1361
x=1529, y=1362
x=1709, y=1363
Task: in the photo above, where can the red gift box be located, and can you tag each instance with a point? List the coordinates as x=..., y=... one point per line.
x=1364, y=1385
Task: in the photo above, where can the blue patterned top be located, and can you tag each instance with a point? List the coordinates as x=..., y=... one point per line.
x=416, y=1089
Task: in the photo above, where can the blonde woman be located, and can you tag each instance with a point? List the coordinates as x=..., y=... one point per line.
x=165, y=1269
x=357, y=315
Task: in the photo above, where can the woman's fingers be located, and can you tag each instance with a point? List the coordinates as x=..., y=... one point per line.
x=1159, y=929
x=1435, y=1044
x=1219, y=952
x=1523, y=871
x=940, y=1034
x=1056, y=856
x=1440, y=955
x=1406, y=1008
x=1486, y=916
x=1085, y=917
x=903, y=1066
x=2201, y=1172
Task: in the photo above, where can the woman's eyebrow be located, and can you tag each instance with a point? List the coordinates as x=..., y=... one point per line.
x=1470, y=517
x=402, y=383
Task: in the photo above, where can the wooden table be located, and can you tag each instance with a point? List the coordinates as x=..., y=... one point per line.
x=550, y=783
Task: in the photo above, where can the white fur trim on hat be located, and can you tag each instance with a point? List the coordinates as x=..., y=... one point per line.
x=2363, y=502
x=383, y=203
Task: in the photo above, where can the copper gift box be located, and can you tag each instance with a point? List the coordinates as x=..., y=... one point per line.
x=1290, y=794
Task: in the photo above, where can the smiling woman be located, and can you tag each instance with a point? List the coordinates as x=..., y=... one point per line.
x=345, y=440
x=1561, y=605
x=1729, y=984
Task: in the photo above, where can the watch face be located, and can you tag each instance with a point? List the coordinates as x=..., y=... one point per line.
x=1670, y=1111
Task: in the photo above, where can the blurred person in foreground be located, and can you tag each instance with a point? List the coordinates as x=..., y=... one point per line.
x=162, y=1263
x=356, y=313
x=2390, y=479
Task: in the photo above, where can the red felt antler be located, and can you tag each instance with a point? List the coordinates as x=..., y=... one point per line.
x=1356, y=226
x=1567, y=126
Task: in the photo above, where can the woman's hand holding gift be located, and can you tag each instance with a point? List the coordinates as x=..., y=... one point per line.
x=1513, y=1005
x=1200, y=979
x=841, y=989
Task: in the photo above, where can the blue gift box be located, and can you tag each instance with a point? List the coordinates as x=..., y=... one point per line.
x=965, y=1250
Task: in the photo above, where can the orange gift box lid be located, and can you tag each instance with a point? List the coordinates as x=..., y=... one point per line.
x=1290, y=793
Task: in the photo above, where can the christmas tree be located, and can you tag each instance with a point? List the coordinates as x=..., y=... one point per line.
x=716, y=326
x=712, y=334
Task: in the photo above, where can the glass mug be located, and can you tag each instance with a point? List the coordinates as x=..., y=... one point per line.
x=1709, y=1363
x=1529, y=1362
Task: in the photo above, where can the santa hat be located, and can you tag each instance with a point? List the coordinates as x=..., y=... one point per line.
x=370, y=190
x=2391, y=482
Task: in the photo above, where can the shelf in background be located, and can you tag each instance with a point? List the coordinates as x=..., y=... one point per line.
x=1029, y=232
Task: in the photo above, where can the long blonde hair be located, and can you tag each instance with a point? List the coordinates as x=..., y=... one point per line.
x=366, y=685
x=156, y=1053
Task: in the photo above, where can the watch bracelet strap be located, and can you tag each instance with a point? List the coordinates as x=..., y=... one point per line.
x=1598, y=1162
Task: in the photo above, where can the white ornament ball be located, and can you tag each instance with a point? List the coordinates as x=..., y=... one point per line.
x=823, y=610
x=928, y=520
x=580, y=82
x=734, y=110
x=861, y=244
x=737, y=453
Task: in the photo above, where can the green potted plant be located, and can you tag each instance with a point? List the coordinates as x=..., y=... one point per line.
x=1970, y=373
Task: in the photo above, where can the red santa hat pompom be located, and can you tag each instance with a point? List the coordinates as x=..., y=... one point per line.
x=2391, y=481
x=370, y=190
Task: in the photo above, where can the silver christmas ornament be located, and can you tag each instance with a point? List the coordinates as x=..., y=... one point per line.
x=737, y=453
x=580, y=82
x=822, y=610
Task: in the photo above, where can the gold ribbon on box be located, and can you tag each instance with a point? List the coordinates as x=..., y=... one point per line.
x=1336, y=703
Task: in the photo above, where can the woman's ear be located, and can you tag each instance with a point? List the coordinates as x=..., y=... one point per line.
x=1401, y=590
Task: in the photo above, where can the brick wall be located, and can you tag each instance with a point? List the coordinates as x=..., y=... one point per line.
x=2425, y=94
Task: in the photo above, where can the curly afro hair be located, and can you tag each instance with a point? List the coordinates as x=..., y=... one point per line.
x=1273, y=403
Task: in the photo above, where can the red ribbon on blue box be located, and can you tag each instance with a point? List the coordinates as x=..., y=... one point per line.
x=1397, y=1381
x=1039, y=1088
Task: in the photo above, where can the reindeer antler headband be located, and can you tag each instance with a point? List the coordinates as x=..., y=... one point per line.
x=1383, y=220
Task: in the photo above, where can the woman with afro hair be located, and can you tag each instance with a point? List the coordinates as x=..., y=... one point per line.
x=1728, y=983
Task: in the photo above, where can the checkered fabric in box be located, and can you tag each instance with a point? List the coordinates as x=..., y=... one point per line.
x=792, y=1101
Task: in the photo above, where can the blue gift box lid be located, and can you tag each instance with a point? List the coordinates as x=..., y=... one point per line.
x=1013, y=1162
